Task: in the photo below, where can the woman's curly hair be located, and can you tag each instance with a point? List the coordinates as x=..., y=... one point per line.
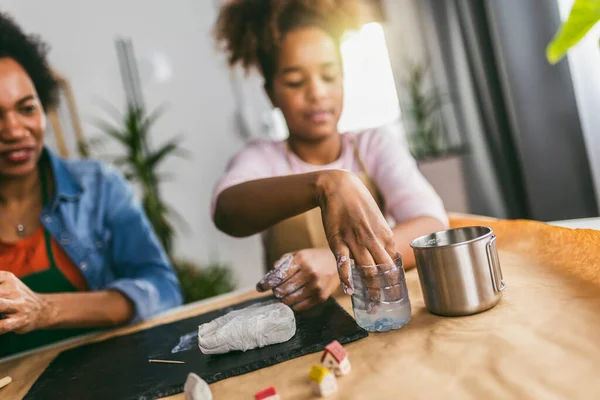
x=249, y=31
x=30, y=52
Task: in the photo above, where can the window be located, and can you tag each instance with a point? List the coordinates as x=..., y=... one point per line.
x=370, y=98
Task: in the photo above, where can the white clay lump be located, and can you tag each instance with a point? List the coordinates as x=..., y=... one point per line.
x=255, y=326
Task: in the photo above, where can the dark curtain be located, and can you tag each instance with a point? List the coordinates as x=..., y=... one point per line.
x=525, y=107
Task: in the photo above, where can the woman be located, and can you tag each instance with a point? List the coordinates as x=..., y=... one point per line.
x=76, y=249
x=285, y=189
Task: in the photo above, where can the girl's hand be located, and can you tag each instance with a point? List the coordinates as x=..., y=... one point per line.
x=355, y=227
x=303, y=279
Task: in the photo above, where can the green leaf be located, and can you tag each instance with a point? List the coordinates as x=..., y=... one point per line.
x=584, y=15
x=149, y=120
x=155, y=158
x=116, y=134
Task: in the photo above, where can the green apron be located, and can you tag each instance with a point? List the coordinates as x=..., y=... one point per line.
x=51, y=280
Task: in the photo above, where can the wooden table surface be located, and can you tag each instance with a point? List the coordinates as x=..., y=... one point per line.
x=541, y=341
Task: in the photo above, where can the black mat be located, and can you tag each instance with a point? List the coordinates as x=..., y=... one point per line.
x=118, y=368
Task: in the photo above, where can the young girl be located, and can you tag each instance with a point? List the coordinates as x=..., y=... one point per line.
x=318, y=197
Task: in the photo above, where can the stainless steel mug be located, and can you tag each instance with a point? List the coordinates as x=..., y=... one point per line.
x=459, y=270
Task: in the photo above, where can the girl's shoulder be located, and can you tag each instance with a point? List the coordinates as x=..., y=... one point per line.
x=264, y=146
x=373, y=140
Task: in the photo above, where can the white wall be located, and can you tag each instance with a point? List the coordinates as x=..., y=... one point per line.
x=584, y=64
x=82, y=35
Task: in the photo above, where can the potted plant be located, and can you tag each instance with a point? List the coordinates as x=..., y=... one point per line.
x=439, y=161
x=141, y=164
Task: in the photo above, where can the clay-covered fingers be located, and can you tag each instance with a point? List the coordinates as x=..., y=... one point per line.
x=290, y=286
x=365, y=265
x=385, y=254
x=383, y=282
x=8, y=283
x=393, y=278
x=389, y=279
x=371, y=286
x=298, y=296
x=344, y=266
x=391, y=269
x=6, y=276
x=307, y=304
x=11, y=324
x=302, y=286
x=369, y=248
x=316, y=277
x=283, y=269
x=8, y=306
x=381, y=277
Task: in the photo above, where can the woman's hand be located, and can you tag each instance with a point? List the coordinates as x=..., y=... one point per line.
x=22, y=309
x=303, y=279
x=354, y=225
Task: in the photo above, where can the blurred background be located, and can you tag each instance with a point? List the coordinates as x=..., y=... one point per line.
x=495, y=128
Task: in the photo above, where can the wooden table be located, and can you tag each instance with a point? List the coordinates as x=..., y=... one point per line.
x=541, y=341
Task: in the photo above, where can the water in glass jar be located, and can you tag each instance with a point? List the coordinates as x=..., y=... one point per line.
x=391, y=310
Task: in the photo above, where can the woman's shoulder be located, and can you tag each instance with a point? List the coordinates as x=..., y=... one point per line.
x=90, y=168
x=94, y=175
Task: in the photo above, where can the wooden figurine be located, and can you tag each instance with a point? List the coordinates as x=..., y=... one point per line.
x=269, y=393
x=335, y=358
x=323, y=382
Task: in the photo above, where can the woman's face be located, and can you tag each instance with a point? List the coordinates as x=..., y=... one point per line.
x=22, y=121
x=307, y=85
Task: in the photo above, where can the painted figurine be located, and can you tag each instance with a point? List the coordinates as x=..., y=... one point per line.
x=322, y=380
x=269, y=393
x=335, y=358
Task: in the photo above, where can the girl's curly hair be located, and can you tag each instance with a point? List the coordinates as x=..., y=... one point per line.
x=250, y=31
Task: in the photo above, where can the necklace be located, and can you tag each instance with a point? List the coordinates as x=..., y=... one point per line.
x=19, y=227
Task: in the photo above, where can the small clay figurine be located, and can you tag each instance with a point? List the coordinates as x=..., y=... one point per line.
x=269, y=393
x=323, y=382
x=196, y=388
x=335, y=358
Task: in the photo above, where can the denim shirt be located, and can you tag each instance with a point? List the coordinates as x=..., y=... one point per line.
x=96, y=219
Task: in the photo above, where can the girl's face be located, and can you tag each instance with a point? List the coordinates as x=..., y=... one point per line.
x=308, y=84
x=22, y=121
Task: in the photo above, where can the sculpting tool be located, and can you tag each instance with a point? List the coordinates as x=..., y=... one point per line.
x=166, y=361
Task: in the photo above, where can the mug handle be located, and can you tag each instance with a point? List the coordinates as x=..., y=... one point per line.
x=494, y=265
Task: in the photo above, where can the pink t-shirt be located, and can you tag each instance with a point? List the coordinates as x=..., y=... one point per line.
x=406, y=193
